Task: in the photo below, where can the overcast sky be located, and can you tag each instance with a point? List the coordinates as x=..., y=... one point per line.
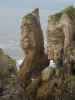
x=11, y=12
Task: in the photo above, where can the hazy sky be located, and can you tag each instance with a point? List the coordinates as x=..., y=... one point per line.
x=11, y=12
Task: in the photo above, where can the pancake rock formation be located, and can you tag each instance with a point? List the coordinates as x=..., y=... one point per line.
x=39, y=79
x=32, y=43
x=61, y=36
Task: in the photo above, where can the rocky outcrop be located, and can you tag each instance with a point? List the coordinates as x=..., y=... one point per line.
x=8, y=73
x=61, y=35
x=32, y=43
x=49, y=83
x=36, y=79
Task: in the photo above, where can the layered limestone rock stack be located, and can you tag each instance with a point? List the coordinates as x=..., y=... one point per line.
x=61, y=33
x=38, y=82
x=32, y=43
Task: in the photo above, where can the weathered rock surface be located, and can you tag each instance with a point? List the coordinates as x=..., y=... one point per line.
x=38, y=80
x=61, y=31
x=32, y=43
x=48, y=84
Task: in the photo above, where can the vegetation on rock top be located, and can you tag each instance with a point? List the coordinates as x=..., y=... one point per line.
x=70, y=11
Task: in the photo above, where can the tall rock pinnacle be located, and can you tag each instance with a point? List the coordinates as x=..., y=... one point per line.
x=32, y=43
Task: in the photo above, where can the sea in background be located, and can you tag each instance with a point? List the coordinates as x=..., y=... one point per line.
x=10, y=43
x=10, y=32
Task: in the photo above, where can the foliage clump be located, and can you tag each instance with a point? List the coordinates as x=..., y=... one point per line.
x=70, y=11
x=56, y=17
x=28, y=19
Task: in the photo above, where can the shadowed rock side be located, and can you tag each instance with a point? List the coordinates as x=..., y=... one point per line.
x=32, y=43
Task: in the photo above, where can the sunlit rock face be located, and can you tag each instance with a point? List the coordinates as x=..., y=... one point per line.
x=32, y=43
x=31, y=33
x=61, y=31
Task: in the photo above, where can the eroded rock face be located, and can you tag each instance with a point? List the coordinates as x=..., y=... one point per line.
x=61, y=32
x=31, y=32
x=50, y=83
x=32, y=43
